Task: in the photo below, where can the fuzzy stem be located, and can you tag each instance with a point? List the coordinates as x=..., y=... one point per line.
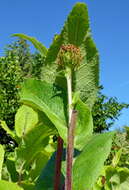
x=58, y=163
x=70, y=151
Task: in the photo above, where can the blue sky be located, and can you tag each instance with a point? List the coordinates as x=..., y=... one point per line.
x=110, y=29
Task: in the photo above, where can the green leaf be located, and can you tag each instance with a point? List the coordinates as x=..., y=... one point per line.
x=77, y=25
x=5, y=185
x=32, y=143
x=73, y=32
x=76, y=31
x=116, y=158
x=86, y=78
x=25, y=119
x=46, y=178
x=116, y=178
x=10, y=163
x=27, y=186
x=84, y=125
x=5, y=127
x=39, y=46
x=124, y=178
x=1, y=159
x=54, y=49
x=42, y=95
x=90, y=162
x=39, y=163
x=48, y=99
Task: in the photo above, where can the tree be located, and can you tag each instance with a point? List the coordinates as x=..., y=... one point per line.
x=106, y=111
x=17, y=64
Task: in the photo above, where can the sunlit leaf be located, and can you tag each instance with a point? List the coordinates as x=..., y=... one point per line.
x=25, y=119
x=48, y=99
x=6, y=185
x=89, y=163
x=38, y=45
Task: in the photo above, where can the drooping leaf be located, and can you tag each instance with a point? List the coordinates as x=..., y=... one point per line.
x=6, y=185
x=1, y=159
x=87, y=76
x=25, y=119
x=38, y=45
x=89, y=163
x=45, y=97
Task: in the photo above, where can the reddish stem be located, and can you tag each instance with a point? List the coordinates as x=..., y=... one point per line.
x=70, y=150
x=58, y=163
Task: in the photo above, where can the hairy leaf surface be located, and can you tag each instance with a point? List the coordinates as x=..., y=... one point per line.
x=87, y=76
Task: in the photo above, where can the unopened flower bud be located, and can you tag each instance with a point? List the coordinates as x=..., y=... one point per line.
x=69, y=56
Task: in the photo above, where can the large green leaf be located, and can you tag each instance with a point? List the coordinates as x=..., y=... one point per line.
x=39, y=46
x=89, y=163
x=5, y=185
x=86, y=78
x=1, y=158
x=43, y=96
x=48, y=99
x=25, y=119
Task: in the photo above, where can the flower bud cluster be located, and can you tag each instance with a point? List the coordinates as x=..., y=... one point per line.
x=69, y=56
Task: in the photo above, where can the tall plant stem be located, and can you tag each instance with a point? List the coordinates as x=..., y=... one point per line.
x=58, y=163
x=70, y=135
x=70, y=151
